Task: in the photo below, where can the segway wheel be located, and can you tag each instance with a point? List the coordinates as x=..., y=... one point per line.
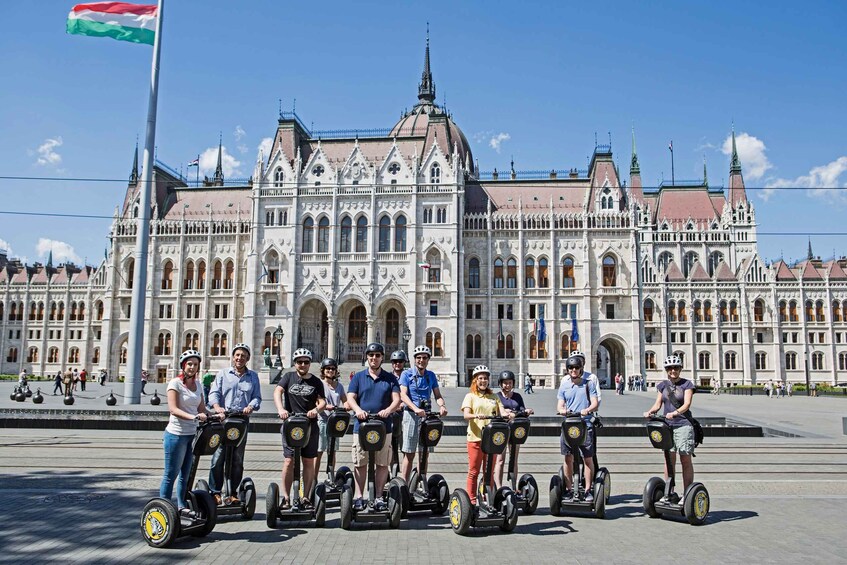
x=344, y=476
x=461, y=512
x=414, y=480
x=696, y=504
x=272, y=505
x=555, y=495
x=160, y=523
x=320, y=505
x=395, y=503
x=605, y=477
x=653, y=493
x=599, y=501
x=439, y=492
x=346, y=507
x=202, y=485
x=207, y=509
x=529, y=489
x=510, y=512
x=248, y=499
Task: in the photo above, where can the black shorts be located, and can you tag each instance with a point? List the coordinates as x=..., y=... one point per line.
x=310, y=450
x=586, y=449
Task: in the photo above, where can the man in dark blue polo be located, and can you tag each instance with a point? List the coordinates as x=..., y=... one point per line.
x=372, y=391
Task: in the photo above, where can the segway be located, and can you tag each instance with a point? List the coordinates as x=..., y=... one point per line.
x=574, y=431
x=297, y=431
x=525, y=489
x=371, y=438
x=336, y=428
x=235, y=428
x=428, y=493
x=498, y=508
x=396, y=439
x=161, y=521
x=660, y=498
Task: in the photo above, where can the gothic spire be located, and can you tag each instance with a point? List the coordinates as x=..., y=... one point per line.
x=809, y=254
x=219, y=170
x=133, y=175
x=735, y=164
x=426, y=90
x=705, y=176
x=50, y=256
x=634, y=169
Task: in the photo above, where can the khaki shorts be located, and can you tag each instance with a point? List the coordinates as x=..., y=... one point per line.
x=683, y=440
x=360, y=456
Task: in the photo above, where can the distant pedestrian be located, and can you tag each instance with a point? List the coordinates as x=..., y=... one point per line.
x=68, y=381
x=103, y=376
x=788, y=388
x=83, y=375
x=767, y=387
x=143, y=381
x=531, y=382
x=813, y=388
x=57, y=382
x=76, y=379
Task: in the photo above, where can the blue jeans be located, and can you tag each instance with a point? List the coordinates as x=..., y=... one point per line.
x=216, y=472
x=178, y=459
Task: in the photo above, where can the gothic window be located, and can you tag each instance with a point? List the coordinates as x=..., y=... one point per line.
x=229, y=275
x=672, y=311
x=217, y=274
x=650, y=359
x=648, y=310
x=318, y=170
x=219, y=345
x=279, y=178
x=817, y=361
x=690, y=259
x=819, y=315
x=530, y=273
x=308, y=235
x=400, y=234
x=53, y=355
x=733, y=311
x=346, y=234
x=698, y=311
x=723, y=312
x=168, y=276
x=707, y=311
x=810, y=313
x=665, y=260
x=543, y=273
x=511, y=273
x=384, y=234
x=609, y=271
x=129, y=273
x=568, y=280
x=729, y=360
x=761, y=361
x=792, y=312
x=682, y=312
x=32, y=355
x=435, y=174
x=99, y=307
x=791, y=361
x=498, y=273
x=759, y=310
x=361, y=235
x=836, y=311
x=473, y=273
x=393, y=168
x=704, y=361
x=323, y=235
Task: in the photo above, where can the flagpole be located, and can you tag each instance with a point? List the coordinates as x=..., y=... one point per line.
x=673, y=178
x=132, y=379
x=197, y=183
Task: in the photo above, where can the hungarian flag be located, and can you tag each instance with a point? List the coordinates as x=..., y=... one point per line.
x=118, y=20
x=194, y=163
x=670, y=146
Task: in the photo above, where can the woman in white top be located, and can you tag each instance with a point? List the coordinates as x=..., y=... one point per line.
x=186, y=405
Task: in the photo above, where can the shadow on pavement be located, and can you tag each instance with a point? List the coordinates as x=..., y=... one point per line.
x=556, y=527
x=729, y=516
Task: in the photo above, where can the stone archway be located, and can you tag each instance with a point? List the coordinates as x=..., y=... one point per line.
x=390, y=323
x=312, y=328
x=352, y=331
x=609, y=359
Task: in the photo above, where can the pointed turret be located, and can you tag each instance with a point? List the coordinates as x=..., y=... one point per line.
x=635, y=189
x=737, y=193
x=50, y=257
x=426, y=89
x=219, y=170
x=133, y=175
x=705, y=175
x=809, y=254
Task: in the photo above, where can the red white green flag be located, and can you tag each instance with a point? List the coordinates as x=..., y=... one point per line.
x=118, y=20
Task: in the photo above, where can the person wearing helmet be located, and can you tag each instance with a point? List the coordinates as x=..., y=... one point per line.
x=477, y=408
x=300, y=392
x=674, y=397
x=579, y=395
x=186, y=407
x=335, y=397
x=417, y=385
x=234, y=388
x=587, y=375
x=513, y=402
x=373, y=390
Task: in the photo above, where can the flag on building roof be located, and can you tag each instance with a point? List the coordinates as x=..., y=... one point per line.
x=118, y=20
x=194, y=163
x=423, y=265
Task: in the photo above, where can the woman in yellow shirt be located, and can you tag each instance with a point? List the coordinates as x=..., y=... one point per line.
x=477, y=408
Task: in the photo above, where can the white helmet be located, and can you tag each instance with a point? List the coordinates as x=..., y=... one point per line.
x=479, y=369
x=188, y=354
x=300, y=353
x=422, y=350
x=579, y=354
x=243, y=346
x=673, y=361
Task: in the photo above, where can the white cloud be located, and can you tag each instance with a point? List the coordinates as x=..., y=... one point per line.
x=47, y=155
x=61, y=251
x=825, y=182
x=209, y=162
x=239, y=133
x=4, y=245
x=751, y=152
x=242, y=149
x=496, y=141
x=265, y=146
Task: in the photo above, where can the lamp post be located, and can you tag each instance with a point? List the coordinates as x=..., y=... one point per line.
x=806, y=370
x=407, y=335
x=278, y=335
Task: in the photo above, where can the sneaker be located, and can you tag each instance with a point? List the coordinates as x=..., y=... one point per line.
x=589, y=497
x=187, y=513
x=358, y=505
x=568, y=494
x=380, y=506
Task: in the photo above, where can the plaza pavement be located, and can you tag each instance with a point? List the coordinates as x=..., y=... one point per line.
x=75, y=496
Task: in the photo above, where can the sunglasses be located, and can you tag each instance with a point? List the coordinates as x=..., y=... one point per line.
x=303, y=362
x=374, y=354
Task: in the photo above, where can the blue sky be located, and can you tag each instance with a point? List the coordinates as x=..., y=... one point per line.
x=542, y=77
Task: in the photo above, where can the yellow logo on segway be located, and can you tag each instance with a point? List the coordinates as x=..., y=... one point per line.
x=499, y=438
x=656, y=436
x=155, y=524
x=455, y=512
x=297, y=433
x=433, y=435
x=372, y=437
x=233, y=434
x=574, y=432
x=340, y=426
x=520, y=432
x=701, y=505
x=215, y=441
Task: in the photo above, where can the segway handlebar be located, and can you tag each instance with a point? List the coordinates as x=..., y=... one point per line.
x=657, y=418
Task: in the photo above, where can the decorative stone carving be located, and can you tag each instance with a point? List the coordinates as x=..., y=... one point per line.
x=361, y=272
x=401, y=272
x=322, y=272
x=344, y=272
x=383, y=272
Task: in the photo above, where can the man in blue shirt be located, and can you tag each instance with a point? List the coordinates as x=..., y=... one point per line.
x=372, y=391
x=235, y=388
x=578, y=395
x=417, y=385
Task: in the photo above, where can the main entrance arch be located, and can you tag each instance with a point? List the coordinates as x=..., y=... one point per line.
x=609, y=359
x=312, y=329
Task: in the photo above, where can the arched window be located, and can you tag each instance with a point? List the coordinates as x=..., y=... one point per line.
x=192, y=341
x=510, y=347
x=12, y=357
x=323, y=235
x=400, y=234
x=473, y=345
x=690, y=259
x=188, y=280
x=201, y=275
x=473, y=273
x=346, y=234
x=99, y=310
x=791, y=361
x=810, y=312
x=361, y=235
x=229, y=275
x=529, y=272
x=129, y=273
x=73, y=355
x=733, y=311
x=433, y=259
x=123, y=355
x=392, y=329
x=704, y=361
x=648, y=310
x=477, y=343
x=168, y=276
x=836, y=311
x=698, y=311
x=842, y=361
x=219, y=345
x=163, y=344
x=665, y=260
x=13, y=311
x=32, y=355
x=681, y=356
x=792, y=312
x=59, y=316
x=609, y=271
x=819, y=315
x=279, y=177
x=723, y=311
x=435, y=174
x=384, y=234
x=729, y=360
x=511, y=273
x=533, y=347
x=308, y=235
x=40, y=315
x=53, y=355
x=498, y=273
x=650, y=360
x=95, y=358
x=568, y=280
x=761, y=360
x=543, y=273
x=565, y=346
x=672, y=311
x=357, y=327
x=81, y=311
x=434, y=342
x=817, y=361
x=682, y=312
x=758, y=310
x=217, y=275
x=843, y=311
x=54, y=309
x=714, y=260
